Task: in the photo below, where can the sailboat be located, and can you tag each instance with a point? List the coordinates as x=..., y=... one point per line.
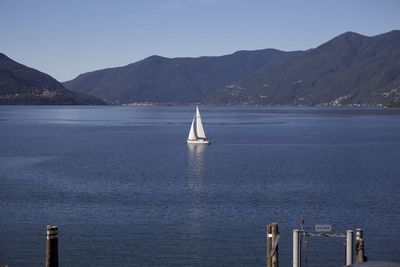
x=196, y=133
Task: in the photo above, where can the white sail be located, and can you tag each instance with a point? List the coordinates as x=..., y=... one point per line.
x=196, y=133
x=199, y=125
x=192, y=134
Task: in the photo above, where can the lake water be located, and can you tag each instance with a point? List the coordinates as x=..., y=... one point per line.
x=126, y=190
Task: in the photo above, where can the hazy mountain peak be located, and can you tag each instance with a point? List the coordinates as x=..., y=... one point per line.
x=351, y=34
x=156, y=58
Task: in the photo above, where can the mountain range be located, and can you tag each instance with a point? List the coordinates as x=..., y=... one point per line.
x=21, y=85
x=174, y=80
x=350, y=69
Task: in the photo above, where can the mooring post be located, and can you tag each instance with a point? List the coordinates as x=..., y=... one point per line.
x=267, y=246
x=52, y=246
x=272, y=245
x=360, y=253
x=349, y=247
x=296, y=248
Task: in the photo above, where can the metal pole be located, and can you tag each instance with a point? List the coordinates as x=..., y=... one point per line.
x=52, y=246
x=296, y=248
x=349, y=247
x=360, y=254
x=272, y=245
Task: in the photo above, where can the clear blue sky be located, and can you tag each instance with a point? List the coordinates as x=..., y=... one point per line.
x=66, y=38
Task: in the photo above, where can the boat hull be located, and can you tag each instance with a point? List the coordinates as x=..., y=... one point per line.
x=200, y=142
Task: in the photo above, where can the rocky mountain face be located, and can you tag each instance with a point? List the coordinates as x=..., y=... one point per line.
x=21, y=85
x=174, y=80
x=350, y=69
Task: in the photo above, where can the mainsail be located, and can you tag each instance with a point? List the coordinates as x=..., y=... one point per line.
x=199, y=125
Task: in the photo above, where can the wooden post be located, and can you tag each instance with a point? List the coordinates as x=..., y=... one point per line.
x=296, y=248
x=272, y=245
x=349, y=247
x=268, y=259
x=275, y=239
x=360, y=254
x=52, y=246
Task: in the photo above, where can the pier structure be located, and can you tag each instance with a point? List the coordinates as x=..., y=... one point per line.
x=321, y=230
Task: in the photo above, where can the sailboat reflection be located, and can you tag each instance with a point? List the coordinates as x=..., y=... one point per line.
x=195, y=178
x=196, y=166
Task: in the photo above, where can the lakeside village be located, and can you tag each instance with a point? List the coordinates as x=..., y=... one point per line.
x=341, y=101
x=329, y=104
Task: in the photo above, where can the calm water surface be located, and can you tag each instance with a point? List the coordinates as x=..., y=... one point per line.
x=126, y=190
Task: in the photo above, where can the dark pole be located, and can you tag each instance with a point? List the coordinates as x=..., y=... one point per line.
x=360, y=254
x=52, y=246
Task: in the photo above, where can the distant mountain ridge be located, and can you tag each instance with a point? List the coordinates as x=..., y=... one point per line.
x=350, y=69
x=21, y=85
x=174, y=80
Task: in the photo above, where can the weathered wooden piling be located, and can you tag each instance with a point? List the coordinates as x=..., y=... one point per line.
x=272, y=245
x=52, y=246
x=360, y=253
